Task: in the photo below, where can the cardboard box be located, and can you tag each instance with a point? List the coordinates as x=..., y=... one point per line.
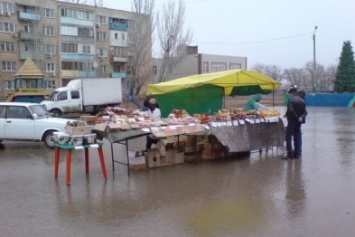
x=89, y=120
x=78, y=130
x=100, y=127
x=137, y=163
x=114, y=126
x=179, y=157
x=153, y=158
x=170, y=157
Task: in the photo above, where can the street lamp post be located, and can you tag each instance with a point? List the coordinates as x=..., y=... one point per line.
x=314, y=59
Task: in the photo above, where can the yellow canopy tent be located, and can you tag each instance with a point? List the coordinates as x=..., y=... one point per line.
x=204, y=93
x=233, y=82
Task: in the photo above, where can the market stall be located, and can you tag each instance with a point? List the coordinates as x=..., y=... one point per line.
x=205, y=93
x=193, y=106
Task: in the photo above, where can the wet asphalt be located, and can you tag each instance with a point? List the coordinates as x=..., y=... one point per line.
x=258, y=195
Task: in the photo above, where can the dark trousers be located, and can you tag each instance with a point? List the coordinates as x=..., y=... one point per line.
x=150, y=142
x=293, y=132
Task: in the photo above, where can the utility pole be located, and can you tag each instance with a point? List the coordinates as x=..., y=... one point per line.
x=314, y=60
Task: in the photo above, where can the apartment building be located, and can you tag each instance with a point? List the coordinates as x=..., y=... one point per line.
x=65, y=40
x=197, y=63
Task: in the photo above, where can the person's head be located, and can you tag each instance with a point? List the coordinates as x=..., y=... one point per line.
x=152, y=100
x=302, y=94
x=257, y=97
x=292, y=89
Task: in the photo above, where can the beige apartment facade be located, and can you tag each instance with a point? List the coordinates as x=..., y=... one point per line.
x=197, y=63
x=65, y=40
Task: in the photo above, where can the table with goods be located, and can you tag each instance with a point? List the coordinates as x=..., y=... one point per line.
x=180, y=134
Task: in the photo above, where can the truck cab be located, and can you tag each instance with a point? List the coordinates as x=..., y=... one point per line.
x=63, y=100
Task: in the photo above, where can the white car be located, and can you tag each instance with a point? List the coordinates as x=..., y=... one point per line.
x=28, y=122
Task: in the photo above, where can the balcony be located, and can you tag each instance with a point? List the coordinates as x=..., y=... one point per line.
x=23, y=35
x=26, y=16
x=118, y=24
x=75, y=21
x=77, y=57
x=116, y=59
x=76, y=39
x=31, y=54
x=119, y=75
x=77, y=74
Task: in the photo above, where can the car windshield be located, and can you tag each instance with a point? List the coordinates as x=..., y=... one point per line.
x=52, y=96
x=39, y=110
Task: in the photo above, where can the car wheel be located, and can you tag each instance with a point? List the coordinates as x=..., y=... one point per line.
x=56, y=113
x=48, y=139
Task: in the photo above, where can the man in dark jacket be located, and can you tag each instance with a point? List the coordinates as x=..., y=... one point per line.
x=296, y=115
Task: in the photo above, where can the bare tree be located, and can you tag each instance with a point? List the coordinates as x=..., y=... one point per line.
x=141, y=43
x=296, y=76
x=260, y=68
x=318, y=76
x=330, y=74
x=273, y=71
x=171, y=37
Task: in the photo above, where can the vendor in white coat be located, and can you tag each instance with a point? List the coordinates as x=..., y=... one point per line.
x=153, y=110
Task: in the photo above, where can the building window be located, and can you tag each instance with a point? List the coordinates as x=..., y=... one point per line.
x=49, y=49
x=6, y=7
x=86, y=49
x=103, y=68
x=130, y=24
x=48, y=13
x=77, y=66
x=119, y=51
x=50, y=84
x=8, y=66
x=235, y=66
x=102, y=52
x=85, y=32
x=218, y=66
x=69, y=48
x=29, y=28
x=206, y=67
x=8, y=85
x=7, y=27
x=131, y=39
x=68, y=13
x=155, y=70
x=101, y=36
x=101, y=19
x=48, y=30
x=7, y=46
x=116, y=36
x=50, y=67
x=85, y=15
x=72, y=13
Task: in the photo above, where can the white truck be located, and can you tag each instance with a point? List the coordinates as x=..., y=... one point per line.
x=89, y=95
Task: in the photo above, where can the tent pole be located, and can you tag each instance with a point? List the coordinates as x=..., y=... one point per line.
x=224, y=99
x=273, y=96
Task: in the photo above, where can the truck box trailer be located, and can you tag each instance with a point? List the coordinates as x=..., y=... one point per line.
x=85, y=95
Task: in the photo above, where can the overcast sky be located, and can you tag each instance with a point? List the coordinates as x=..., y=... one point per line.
x=271, y=32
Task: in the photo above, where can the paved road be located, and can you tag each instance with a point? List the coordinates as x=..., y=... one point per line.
x=260, y=195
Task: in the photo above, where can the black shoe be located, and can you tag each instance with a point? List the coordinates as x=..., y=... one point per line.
x=286, y=157
x=297, y=157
